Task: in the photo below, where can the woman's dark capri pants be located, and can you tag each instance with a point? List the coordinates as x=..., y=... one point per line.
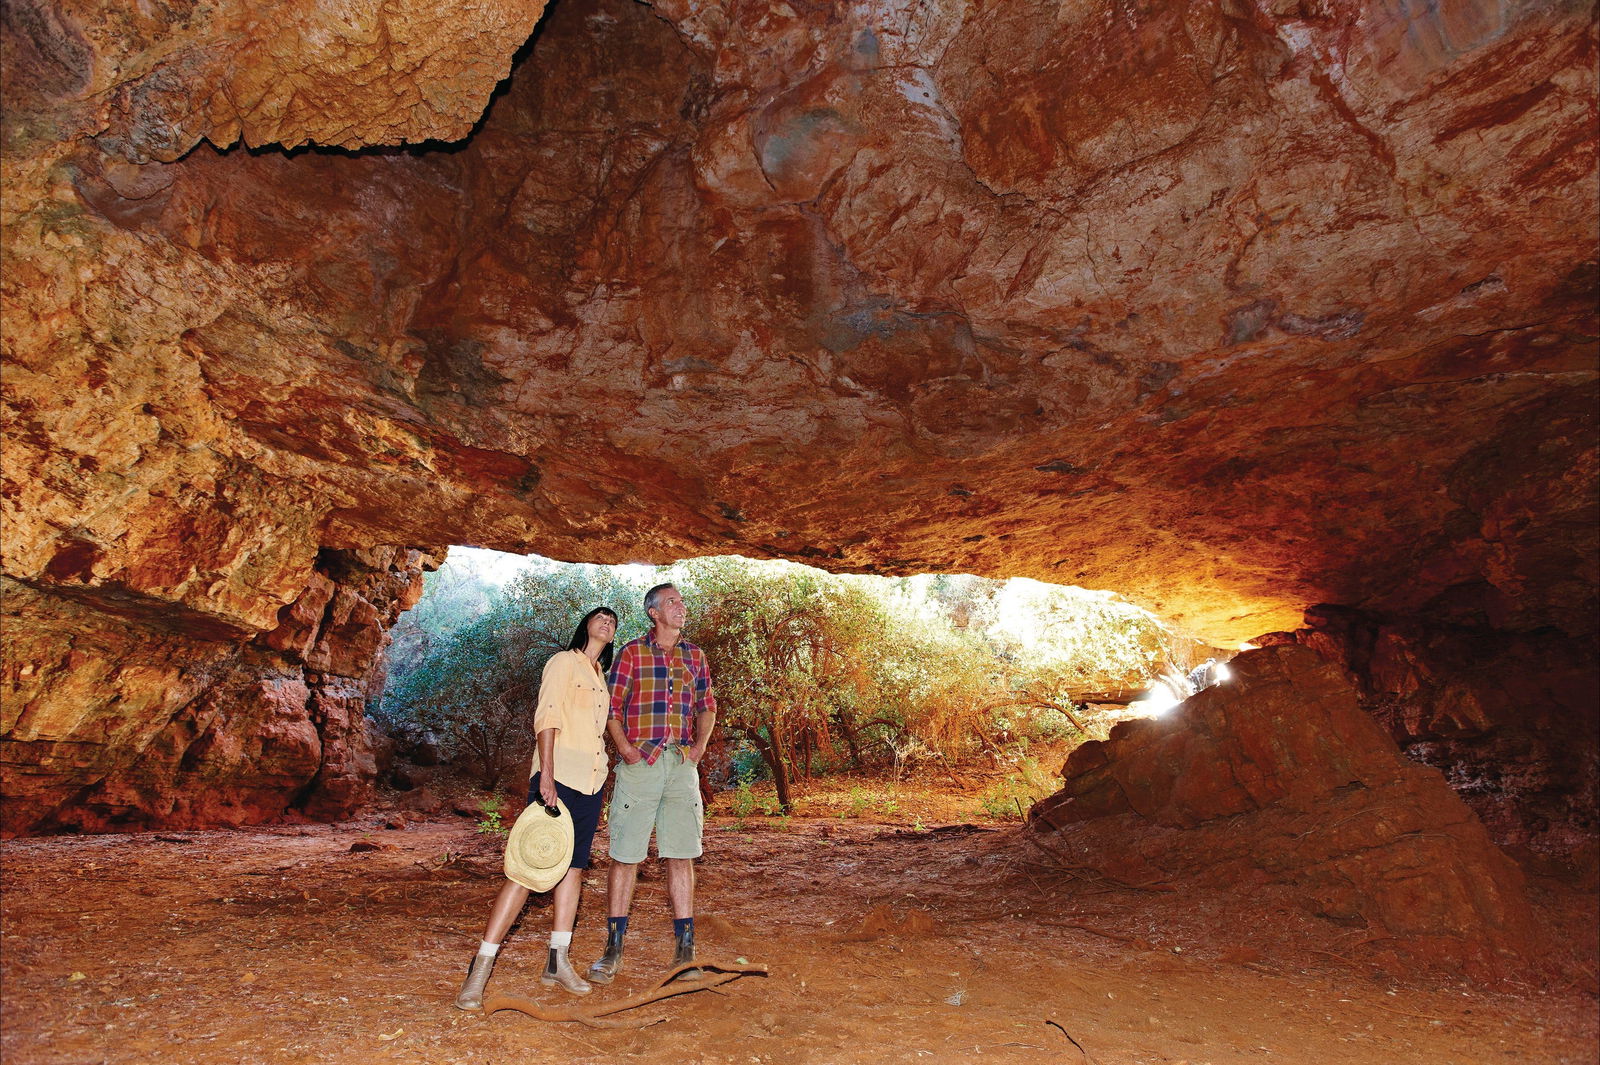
x=585, y=811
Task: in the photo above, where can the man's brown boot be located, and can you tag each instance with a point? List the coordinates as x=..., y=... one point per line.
x=683, y=954
x=605, y=970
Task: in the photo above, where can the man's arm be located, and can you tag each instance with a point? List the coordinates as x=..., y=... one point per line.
x=705, y=718
x=704, y=722
x=626, y=750
x=622, y=685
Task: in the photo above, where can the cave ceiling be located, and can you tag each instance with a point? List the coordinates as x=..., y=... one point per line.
x=1232, y=307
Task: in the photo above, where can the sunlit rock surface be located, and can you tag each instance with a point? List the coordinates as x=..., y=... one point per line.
x=1232, y=308
x=122, y=718
x=1278, y=781
x=150, y=81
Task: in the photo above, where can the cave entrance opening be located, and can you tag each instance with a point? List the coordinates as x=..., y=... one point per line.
x=914, y=700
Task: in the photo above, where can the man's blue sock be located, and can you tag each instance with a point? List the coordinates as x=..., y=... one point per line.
x=680, y=925
x=617, y=924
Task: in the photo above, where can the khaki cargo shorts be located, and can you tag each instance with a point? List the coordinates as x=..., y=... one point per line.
x=664, y=797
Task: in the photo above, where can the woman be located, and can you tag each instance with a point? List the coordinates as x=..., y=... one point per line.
x=569, y=763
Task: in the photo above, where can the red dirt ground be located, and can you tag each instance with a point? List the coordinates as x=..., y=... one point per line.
x=885, y=944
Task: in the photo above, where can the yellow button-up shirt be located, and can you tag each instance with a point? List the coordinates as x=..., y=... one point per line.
x=575, y=700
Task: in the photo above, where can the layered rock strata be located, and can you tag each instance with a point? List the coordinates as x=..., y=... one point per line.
x=1234, y=308
x=1279, y=781
x=117, y=722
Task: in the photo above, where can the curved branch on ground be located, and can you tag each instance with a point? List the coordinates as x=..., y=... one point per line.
x=595, y=1016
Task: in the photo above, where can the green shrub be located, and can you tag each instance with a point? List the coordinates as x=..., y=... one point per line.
x=492, y=822
x=748, y=765
x=863, y=801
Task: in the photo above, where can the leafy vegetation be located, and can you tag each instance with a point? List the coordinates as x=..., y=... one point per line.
x=1009, y=799
x=493, y=820
x=815, y=673
x=473, y=679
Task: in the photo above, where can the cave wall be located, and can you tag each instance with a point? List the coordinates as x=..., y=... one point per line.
x=1507, y=718
x=1232, y=307
x=122, y=718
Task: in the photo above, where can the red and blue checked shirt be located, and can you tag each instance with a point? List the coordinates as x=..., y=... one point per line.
x=657, y=691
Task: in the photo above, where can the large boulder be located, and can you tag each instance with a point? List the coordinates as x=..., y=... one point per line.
x=1279, y=779
x=138, y=724
x=1508, y=718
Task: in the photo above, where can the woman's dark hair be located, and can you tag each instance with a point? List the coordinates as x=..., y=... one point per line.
x=580, y=636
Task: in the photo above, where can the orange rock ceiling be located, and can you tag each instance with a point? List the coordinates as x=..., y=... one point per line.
x=1233, y=307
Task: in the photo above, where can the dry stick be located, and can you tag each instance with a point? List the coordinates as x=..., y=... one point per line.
x=496, y=1003
x=1056, y=1025
x=1088, y=928
x=594, y=1018
x=584, y=1043
x=951, y=773
x=1331, y=954
x=1034, y=881
x=1074, y=719
x=1049, y=868
x=1079, y=870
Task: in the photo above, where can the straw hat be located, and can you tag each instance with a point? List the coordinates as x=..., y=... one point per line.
x=539, y=849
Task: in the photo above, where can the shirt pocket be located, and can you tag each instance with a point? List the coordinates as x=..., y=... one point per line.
x=591, y=701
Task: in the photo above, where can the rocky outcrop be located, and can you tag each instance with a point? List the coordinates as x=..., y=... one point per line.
x=130, y=722
x=1278, y=781
x=1231, y=307
x=1507, y=718
x=152, y=81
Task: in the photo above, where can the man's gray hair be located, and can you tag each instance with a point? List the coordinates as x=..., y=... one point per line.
x=652, y=598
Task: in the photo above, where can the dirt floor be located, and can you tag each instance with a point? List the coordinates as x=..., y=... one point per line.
x=890, y=937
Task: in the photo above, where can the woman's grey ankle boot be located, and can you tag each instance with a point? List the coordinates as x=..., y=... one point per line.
x=558, y=971
x=471, y=996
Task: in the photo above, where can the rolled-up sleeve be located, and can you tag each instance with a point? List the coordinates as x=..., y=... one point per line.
x=553, y=685
x=705, y=699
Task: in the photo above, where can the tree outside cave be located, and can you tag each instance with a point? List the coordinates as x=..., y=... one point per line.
x=821, y=678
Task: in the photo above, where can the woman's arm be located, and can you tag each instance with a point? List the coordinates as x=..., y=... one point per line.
x=547, y=765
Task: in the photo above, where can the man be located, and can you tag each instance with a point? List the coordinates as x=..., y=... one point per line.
x=662, y=714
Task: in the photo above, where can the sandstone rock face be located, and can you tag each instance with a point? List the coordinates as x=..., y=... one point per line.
x=1279, y=780
x=1508, y=720
x=1234, y=308
x=114, y=723
x=151, y=81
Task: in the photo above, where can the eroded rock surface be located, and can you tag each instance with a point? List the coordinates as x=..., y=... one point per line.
x=150, y=81
x=119, y=721
x=1279, y=781
x=1234, y=308
x=1507, y=718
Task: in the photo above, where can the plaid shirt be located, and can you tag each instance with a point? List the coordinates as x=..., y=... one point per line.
x=657, y=691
